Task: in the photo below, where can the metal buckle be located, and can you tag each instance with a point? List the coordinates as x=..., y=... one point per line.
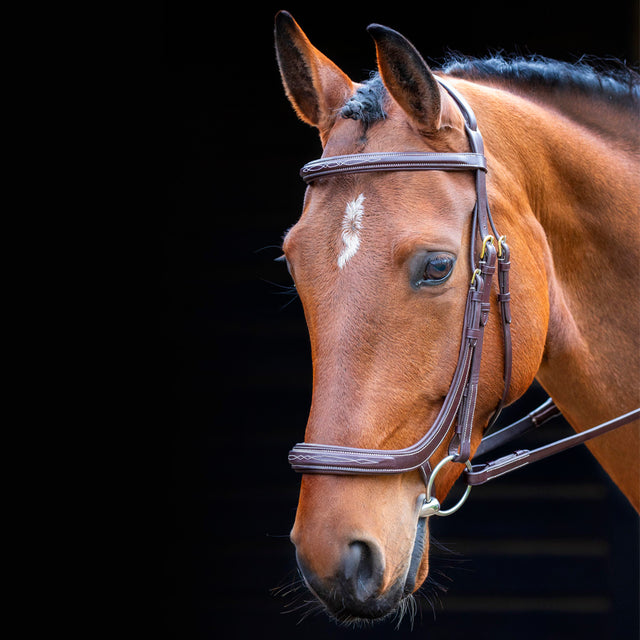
x=503, y=239
x=431, y=505
x=487, y=239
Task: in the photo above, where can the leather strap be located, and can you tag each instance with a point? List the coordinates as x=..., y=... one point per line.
x=479, y=474
x=391, y=161
x=504, y=300
x=460, y=445
x=545, y=412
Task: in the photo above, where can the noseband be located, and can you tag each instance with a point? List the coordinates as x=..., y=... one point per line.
x=460, y=402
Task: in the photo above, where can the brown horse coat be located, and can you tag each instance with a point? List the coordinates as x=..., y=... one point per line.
x=563, y=186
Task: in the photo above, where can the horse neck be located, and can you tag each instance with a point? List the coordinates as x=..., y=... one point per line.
x=568, y=194
x=581, y=192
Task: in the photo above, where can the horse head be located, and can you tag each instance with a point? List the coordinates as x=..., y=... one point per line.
x=381, y=262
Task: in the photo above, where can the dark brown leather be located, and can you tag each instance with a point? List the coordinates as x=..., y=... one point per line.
x=545, y=412
x=504, y=300
x=479, y=474
x=391, y=161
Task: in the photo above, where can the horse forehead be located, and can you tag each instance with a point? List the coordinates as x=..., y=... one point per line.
x=370, y=215
x=389, y=203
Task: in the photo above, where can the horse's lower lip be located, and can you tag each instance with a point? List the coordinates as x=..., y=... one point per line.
x=375, y=609
x=416, y=556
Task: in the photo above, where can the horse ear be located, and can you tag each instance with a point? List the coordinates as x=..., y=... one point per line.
x=408, y=78
x=316, y=87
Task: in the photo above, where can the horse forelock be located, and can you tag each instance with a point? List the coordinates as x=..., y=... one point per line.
x=368, y=102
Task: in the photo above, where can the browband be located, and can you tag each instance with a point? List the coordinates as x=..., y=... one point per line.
x=391, y=161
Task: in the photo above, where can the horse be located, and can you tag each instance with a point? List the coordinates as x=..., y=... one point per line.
x=381, y=261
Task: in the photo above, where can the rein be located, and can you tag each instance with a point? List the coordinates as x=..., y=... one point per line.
x=459, y=404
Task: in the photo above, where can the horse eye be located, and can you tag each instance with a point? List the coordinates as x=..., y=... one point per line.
x=434, y=269
x=438, y=268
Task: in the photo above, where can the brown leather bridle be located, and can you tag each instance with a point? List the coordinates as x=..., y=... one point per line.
x=459, y=403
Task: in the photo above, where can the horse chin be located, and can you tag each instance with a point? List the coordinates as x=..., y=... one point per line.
x=376, y=609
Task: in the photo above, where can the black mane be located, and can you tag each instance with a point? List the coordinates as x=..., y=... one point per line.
x=608, y=80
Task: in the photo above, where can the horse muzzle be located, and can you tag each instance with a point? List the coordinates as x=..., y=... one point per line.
x=354, y=577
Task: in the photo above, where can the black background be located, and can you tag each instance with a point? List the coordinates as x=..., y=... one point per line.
x=550, y=552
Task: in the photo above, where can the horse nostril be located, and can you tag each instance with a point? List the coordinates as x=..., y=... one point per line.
x=363, y=570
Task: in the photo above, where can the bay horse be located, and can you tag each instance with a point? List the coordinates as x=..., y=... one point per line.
x=381, y=260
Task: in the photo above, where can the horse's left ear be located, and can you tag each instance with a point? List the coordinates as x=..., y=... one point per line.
x=316, y=87
x=408, y=79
